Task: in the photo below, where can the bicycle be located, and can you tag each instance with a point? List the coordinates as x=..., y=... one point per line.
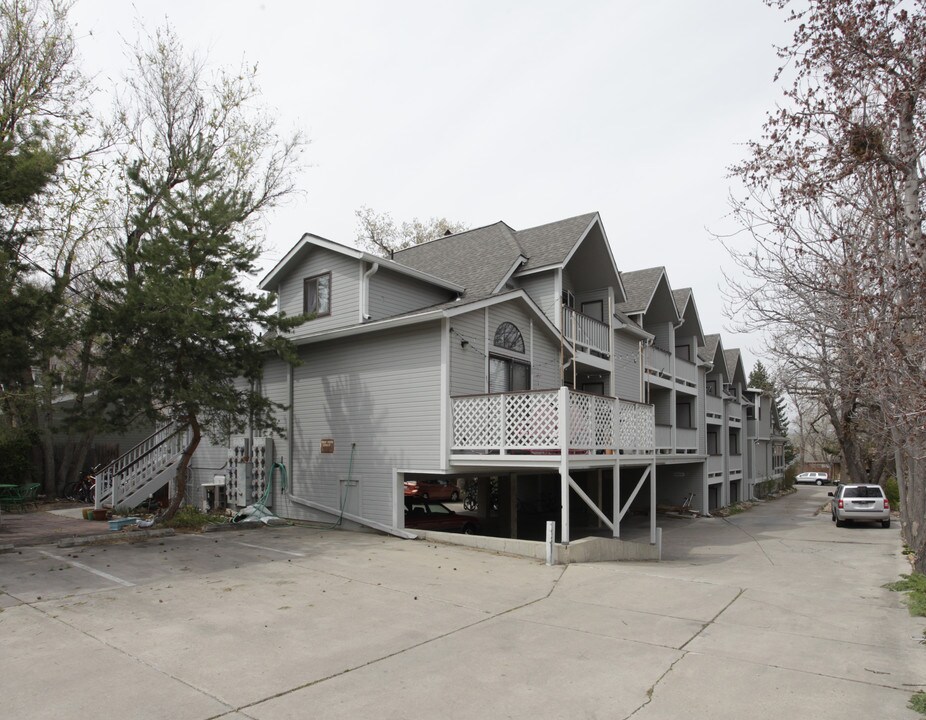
x=82, y=490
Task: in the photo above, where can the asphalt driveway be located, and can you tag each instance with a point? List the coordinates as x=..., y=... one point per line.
x=771, y=613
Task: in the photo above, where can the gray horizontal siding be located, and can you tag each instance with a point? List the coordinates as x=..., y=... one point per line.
x=468, y=364
x=626, y=366
x=542, y=289
x=381, y=392
x=345, y=290
x=664, y=335
x=394, y=294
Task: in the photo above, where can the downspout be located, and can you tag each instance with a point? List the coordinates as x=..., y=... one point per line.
x=365, y=289
x=290, y=427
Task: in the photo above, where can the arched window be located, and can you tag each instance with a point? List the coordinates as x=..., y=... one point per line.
x=508, y=336
x=505, y=373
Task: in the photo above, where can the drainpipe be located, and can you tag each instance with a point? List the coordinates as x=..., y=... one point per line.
x=366, y=290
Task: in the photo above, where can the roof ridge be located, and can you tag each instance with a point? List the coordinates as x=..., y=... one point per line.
x=453, y=235
x=561, y=220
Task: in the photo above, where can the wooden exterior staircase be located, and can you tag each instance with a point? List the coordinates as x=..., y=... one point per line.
x=142, y=471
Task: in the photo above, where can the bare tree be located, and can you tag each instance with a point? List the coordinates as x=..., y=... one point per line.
x=378, y=233
x=838, y=176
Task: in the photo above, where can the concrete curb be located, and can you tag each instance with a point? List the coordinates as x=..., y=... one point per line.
x=114, y=537
x=584, y=550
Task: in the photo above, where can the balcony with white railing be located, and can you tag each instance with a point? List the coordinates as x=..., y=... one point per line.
x=686, y=373
x=735, y=464
x=586, y=333
x=664, y=438
x=715, y=463
x=714, y=408
x=636, y=430
x=658, y=362
x=532, y=425
x=686, y=440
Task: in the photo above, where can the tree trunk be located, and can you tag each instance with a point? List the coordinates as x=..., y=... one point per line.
x=183, y=468
x=911, y=481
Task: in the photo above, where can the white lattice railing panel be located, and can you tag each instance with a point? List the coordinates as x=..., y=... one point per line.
x=529, y=422
x=605, y=410
x=581, y=432
x=477, y=422
x=636, y=427
x=532, y=421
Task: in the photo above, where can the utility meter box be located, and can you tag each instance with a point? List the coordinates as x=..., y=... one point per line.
x=261, y=462
x=239, y=474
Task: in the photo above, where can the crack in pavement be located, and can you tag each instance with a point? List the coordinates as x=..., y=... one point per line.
x=651, y=691
x=401, y=651
x=752, y=537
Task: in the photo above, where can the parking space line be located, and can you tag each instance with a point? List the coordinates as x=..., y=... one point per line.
x=81, y=566
x=270, y=549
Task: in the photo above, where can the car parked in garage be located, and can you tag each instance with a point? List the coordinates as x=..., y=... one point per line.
x=433, y=489
x=860, y=503
x=430, y=515
x=818, y=478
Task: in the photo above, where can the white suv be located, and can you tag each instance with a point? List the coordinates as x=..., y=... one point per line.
x=860, y=503
x=820, y=478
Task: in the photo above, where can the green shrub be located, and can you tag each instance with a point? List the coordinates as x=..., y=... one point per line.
x=915, y=587
x=192, y=518
x=892, y=490
x=789, y=477
x=918, y=702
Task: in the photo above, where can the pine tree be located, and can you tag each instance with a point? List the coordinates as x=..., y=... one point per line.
x=186, y=341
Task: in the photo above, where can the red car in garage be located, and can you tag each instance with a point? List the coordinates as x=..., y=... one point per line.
x=430, y=515
x=433, y=489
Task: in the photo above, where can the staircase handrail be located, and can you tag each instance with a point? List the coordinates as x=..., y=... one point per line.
x=106, y=478
x=161, y=431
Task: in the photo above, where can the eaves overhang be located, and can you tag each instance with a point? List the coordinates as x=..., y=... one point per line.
x=272, y=279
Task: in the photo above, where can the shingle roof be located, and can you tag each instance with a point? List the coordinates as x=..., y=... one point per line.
x=731, y=359
x=479, y=259
x=639, y=286
x=476, y=259
x=709, y=351
x=550, y=244
x=681, y=299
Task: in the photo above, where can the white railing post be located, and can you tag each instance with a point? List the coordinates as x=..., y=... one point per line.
x=503, y=440
x=563, y=412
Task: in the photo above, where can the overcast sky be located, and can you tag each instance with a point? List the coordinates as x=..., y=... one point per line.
x=526, y=112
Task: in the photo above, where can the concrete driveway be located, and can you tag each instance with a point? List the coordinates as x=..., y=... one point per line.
x=769, y=614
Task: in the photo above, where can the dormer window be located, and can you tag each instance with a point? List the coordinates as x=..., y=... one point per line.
x=317, y=295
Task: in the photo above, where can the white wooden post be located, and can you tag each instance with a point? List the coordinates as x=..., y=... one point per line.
x=564, y=463
x=551, y=542
x=652, y=503
x=616, y=510
x=503, y=449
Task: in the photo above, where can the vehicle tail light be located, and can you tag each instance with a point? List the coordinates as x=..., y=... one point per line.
x=887, y=504
x=841, y=504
